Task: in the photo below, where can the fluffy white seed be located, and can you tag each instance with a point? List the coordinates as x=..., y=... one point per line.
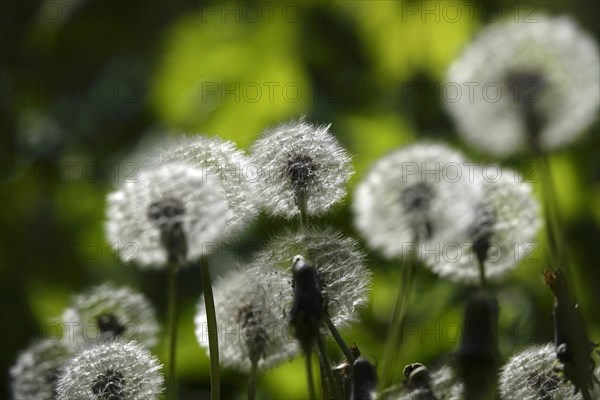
x=513, y=70
x=137, y=237
x=35, y=373
x=297, y=159
x=508, y=219
x=423, y=191
x=223, y=160
x=114, y=370
x=532, y=375
x=250, y=321
x=106, y=312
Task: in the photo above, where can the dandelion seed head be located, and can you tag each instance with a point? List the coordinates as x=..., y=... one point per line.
x=343, y=279
x=503, y=232
x=114, y=370
x=107, y=312
x=168, y=209
x=251, y=326
x=224, y=161
x=35, y=373
x=299, y=159
x=420, y=191
x=532, y=375
x=545, y=88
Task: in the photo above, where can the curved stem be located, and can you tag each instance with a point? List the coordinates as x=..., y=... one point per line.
x=213, y=340
x=340, y=341
x=309, y=376
x=172, y=330
x=327, y=368
x=252, y=380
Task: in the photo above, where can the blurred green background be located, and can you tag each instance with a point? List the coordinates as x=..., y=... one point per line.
x=88, y=85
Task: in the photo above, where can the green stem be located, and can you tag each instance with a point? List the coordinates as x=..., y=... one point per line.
x=340, y=341
x=324, y=380
x=395, y=336
x=327, y=367
x=172, y=330
x=252, y=380
x=309, y=376
x=213, y=340
x=551, y=211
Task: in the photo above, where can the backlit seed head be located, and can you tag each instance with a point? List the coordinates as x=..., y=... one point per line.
x=168, y=212
x=533, y=86
x=222, y=160
x=420, y=193
x=35, y=373
x=533, y=375
x=507, y=219
x=111, y=371
x=251, y=326
x=107, y=312
x=300, y=162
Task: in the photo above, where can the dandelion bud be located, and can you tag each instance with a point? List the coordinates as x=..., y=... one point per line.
x=111, y=371
x=572, y=346
x=301, y=166
x=308, y=307
x=106, y=312
x=421, y=384
x=338, y=263
x=537, y=86
x=170, y=212
x=252, y=328
x=418, y=194
x=222, y=160
x=418, y=380
x=364, y=380
x=478, y=355
x=35, y=373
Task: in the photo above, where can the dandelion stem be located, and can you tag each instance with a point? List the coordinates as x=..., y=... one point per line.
x=309, y=376
x=481, y=265
x=395, y=336
x=327, y=368
x=324, y=380
x=302, y=201
x=211, y=321
x=339, y=340
x=252, y=380
x=551, y=211
x=172, y=299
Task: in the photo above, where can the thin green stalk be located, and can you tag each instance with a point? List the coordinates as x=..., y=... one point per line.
x=340, y=341
x=395, y=337
x=334, y=389
x=252, y=380
x=324, y=380
x=551, y=212
x=172, y=331
x=309, y=376
x=213, y=340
